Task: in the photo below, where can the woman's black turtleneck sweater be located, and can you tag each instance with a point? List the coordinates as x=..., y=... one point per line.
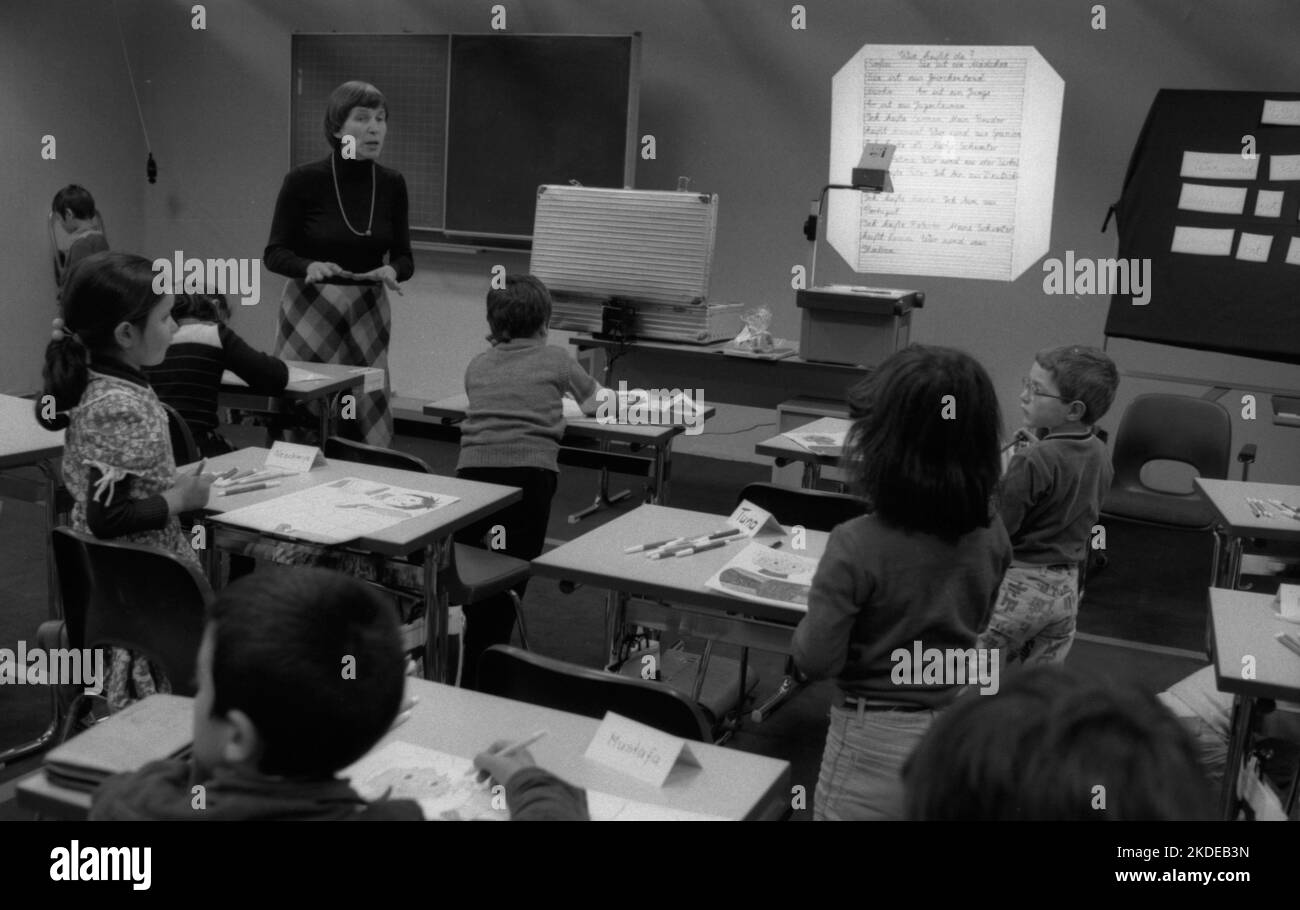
x=308, y=226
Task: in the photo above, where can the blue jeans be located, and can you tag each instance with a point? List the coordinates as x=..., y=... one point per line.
x=860, y=777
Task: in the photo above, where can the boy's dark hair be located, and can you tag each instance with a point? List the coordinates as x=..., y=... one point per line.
x=314, y=658
x=1054, y=746
x=925, y=461
x=102, y=292
x=77, y=199
x=206, y=307
x=343, y=99
x=519, y=310
x=1082, y=374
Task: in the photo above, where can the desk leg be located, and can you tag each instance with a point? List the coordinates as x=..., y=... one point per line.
x=211, y=556
x=603, y=498
x=1216, y=565
x=663, y=472
x=436, y=555
x=329, y=407
x=1236, y=546
x=812, y=475
x=1243, y=710
x=615, y=615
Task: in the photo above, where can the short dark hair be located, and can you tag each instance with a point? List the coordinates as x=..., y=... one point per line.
x=519, y=310
x=1053, y=745
x=314, y=658
x=343, y=99
x=207, y=307
x=925, y=461
x=74, y=197
x=1082, y=374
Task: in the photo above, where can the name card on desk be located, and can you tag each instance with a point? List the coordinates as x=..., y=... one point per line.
x=751, y=519
x=293, y=458
x=638, y=751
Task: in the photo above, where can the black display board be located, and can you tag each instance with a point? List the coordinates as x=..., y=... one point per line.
x=478, y=122
x=1211, y=302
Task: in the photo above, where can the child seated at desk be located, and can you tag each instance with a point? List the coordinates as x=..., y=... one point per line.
x=511, y=436
x=920, y=571
x=189, y=378
x=1049, y=500
x=1052, y=746
x=277, y=715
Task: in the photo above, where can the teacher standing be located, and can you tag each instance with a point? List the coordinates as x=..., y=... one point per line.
x=340, y=234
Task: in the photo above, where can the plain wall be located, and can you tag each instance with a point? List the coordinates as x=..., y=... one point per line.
x=736, y=99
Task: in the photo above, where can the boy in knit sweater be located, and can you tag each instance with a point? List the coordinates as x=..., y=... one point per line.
x=1050, y=498
x=511, y=436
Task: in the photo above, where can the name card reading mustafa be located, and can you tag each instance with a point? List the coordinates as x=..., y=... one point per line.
x=292, y=458
x=976, y=131
x=638, y=751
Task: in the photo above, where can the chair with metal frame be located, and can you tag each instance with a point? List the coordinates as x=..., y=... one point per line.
x=472, y=574
x=524, y=676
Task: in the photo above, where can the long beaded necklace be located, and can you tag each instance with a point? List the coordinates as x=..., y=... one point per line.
x=339, y=197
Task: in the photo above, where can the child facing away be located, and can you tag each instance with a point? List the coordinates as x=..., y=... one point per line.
x=921, y=568
x=511, y=436
x=117, y=455
x=1049, y=500
x=189, y=378
x=275, y=719
x=75, y=209
x=1054, y=746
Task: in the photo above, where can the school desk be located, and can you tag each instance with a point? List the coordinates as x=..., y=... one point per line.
x=785, y=450
x=339, y=379
x=734, y=380
x=1243, y=625
x=1234, y=523
x=430, y=534
x=659, y=439
x=25, y=443
x=672, y=591
x=728, y=783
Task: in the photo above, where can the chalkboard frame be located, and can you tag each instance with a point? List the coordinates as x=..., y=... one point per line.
x=307, y=144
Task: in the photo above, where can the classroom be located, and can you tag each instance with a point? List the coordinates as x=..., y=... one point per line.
x=925, y=366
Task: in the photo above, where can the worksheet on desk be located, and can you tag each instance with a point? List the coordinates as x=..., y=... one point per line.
x=337, y=512
x=762, y=574
x=296, y=374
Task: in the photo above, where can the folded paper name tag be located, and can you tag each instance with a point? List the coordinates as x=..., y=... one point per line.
x=1288, y=602
x=374, y=379
x=293, y=458
x=638, y=751
x=751, y=519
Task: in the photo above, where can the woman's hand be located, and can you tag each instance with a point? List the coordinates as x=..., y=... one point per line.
x=189, y=493
x=319, y=271
x=385, y=273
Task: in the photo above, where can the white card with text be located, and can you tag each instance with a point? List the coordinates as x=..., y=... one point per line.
x=638, y=751
x=751, y=519
x=293, y=458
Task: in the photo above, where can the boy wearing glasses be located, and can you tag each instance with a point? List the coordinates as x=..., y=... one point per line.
x=1049, y=501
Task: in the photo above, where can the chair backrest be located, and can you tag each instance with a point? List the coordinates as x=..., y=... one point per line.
x=73, y=571
x=1161, y=427
x=184, y=449
x=360, y=453
x=524, y=676
x=149, y=600
x=811, y=508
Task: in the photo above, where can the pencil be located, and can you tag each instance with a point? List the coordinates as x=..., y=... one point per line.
x=202, y=464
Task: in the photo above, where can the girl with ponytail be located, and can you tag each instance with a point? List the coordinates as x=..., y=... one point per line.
x=117, y=458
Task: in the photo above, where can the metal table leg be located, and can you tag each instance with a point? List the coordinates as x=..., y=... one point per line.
x=437, y=556
x=1243, y=710
x=603, y=499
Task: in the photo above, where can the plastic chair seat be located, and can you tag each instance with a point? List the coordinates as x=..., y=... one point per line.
x=1173, y=509
x=481, y=574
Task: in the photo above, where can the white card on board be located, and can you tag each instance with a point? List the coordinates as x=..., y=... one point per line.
x=638, y=751
x=1203, y=241
x=294, y=458
x=1281, y=113
x=1268, y=204
x=1254, y=247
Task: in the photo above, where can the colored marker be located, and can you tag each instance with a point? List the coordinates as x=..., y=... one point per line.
x=249, y=488
x=701, y=548
x=641, y=547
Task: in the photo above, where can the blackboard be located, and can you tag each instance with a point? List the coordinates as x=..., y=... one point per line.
x=1232, y=300
x=478, y=122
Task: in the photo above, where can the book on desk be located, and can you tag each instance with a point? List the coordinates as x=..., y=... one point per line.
x=157, y=727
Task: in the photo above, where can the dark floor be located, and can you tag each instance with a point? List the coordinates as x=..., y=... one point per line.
x=1151, y=593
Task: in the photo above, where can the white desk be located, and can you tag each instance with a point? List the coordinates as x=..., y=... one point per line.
x=728, y=783
x=431, y=533
x=339, y=379
x=785, y=450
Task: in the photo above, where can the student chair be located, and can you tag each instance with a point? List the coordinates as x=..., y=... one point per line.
x=551, y=683
x=472, y=574
x=812, y=509
x=131, y=596
x=1157, y=427
x=184, y=449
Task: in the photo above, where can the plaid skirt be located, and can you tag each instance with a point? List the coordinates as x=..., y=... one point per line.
x=347, y=324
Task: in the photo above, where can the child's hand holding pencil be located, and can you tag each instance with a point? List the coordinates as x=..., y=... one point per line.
x=504, y=759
